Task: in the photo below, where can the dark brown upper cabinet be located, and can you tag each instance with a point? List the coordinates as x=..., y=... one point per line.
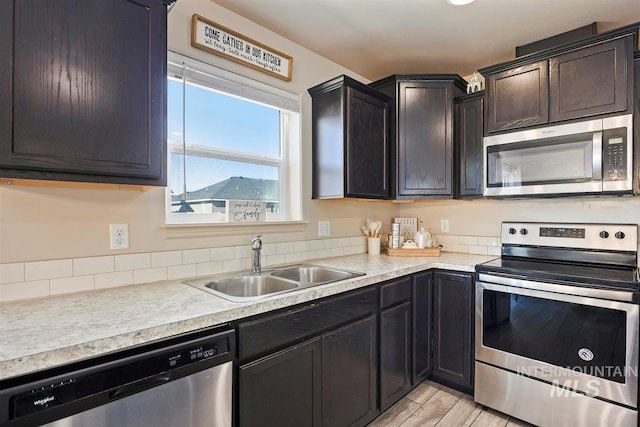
x=82, y=90
x=468, y=140
x=422, y=153
x=350, y=140
x=570, y=82
x=518, y=97
x=593, y=80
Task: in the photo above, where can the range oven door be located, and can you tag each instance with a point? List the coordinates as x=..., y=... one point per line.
x=577, y=338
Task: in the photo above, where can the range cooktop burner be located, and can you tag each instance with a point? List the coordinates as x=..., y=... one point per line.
x=574, y=274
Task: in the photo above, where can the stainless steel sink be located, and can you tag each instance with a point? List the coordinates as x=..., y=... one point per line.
x=311, y=274
x=247, y=287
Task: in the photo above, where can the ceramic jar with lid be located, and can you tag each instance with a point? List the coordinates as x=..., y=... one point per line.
x=423, y=239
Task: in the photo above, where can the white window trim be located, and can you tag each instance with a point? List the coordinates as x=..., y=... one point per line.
x=290, y=177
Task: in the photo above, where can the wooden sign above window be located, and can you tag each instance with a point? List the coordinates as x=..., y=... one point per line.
x=219, y=40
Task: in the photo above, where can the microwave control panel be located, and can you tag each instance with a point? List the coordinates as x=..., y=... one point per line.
x=614, y=154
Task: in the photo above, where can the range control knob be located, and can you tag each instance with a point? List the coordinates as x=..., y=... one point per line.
x=523, y=231
x=619, y=235
x=512, y=230
x=604, y=234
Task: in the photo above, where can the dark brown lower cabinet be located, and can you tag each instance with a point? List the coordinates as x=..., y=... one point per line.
x=453, y=330
x=282, y=389
x=342, y=360
x=422, y=287
x=349, y=372
x=311, y=365
x=395, y=356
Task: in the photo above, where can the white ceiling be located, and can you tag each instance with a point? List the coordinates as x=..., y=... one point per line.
x=376, y=38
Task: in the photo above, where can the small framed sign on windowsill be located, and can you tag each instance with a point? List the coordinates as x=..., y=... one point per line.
x=246, y=211
x=214, y=38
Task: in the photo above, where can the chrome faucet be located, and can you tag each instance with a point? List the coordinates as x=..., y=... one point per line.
x=256, y=245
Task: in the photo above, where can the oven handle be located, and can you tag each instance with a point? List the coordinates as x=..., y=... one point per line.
x=608, y=294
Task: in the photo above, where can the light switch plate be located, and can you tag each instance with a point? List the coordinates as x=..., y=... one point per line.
x=444, y=225
x=324, y=228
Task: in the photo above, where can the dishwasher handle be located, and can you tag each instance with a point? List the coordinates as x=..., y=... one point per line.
x=138, y=386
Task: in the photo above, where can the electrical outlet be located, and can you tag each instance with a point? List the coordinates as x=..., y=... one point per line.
x=444, y=225
x=119, y=236
x=324, y=228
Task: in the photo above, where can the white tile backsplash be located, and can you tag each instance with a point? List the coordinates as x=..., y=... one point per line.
x=285, y=248
x=208, y=268
x=331, y=243
x=293, y=257
x=69, y=285
x=24, y=290
x=301, y=246
x=11, y=273
x=275, y=259
x=468, y=240
x=175, y=272
x=165, y=259
x=133, y=262
x=43, y=278
x=478, y=250
x=242, y=251
x=195, y=256
x=488, y=241
x=149, y=275
x=113, y=280
x=93, y=265
x=316, y=245
x=222, y=254
x=40, y=270
x=229, y=265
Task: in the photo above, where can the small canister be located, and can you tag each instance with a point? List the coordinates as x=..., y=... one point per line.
x=420, y=238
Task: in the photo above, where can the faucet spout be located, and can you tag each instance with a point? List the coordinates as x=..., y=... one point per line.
x=256, y=246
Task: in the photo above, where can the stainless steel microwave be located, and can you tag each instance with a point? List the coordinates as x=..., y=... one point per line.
x=589, y=157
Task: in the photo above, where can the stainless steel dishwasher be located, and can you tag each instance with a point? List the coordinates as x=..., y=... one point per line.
x=180, y=382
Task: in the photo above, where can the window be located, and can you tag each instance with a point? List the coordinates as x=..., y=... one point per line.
x=229, y=138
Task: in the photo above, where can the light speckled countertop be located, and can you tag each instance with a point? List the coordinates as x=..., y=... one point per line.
x=42, y=333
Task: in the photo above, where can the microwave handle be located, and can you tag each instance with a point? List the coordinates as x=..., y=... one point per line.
x=597, y=156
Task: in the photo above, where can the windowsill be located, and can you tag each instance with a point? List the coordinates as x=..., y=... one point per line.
x=177, y=231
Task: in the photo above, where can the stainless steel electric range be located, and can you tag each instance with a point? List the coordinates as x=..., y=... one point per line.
x=556, y=325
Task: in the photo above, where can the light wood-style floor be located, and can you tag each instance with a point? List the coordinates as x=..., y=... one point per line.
x=431, y=404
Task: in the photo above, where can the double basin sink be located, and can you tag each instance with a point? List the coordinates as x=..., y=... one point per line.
x=247, y=287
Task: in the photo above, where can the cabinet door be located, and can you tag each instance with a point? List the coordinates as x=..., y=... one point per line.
x=517, y=98
x=282, y=389
x=367, y=148
x=88, y=89
x=349, y=370
x=592, y=80
x=395, y=360
x=422, y=285
x=469, y=133
x=6, y=72
x=453, y=339
x=425, y=139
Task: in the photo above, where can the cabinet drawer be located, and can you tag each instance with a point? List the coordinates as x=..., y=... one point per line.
x=267, y=334
x=394, y=292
